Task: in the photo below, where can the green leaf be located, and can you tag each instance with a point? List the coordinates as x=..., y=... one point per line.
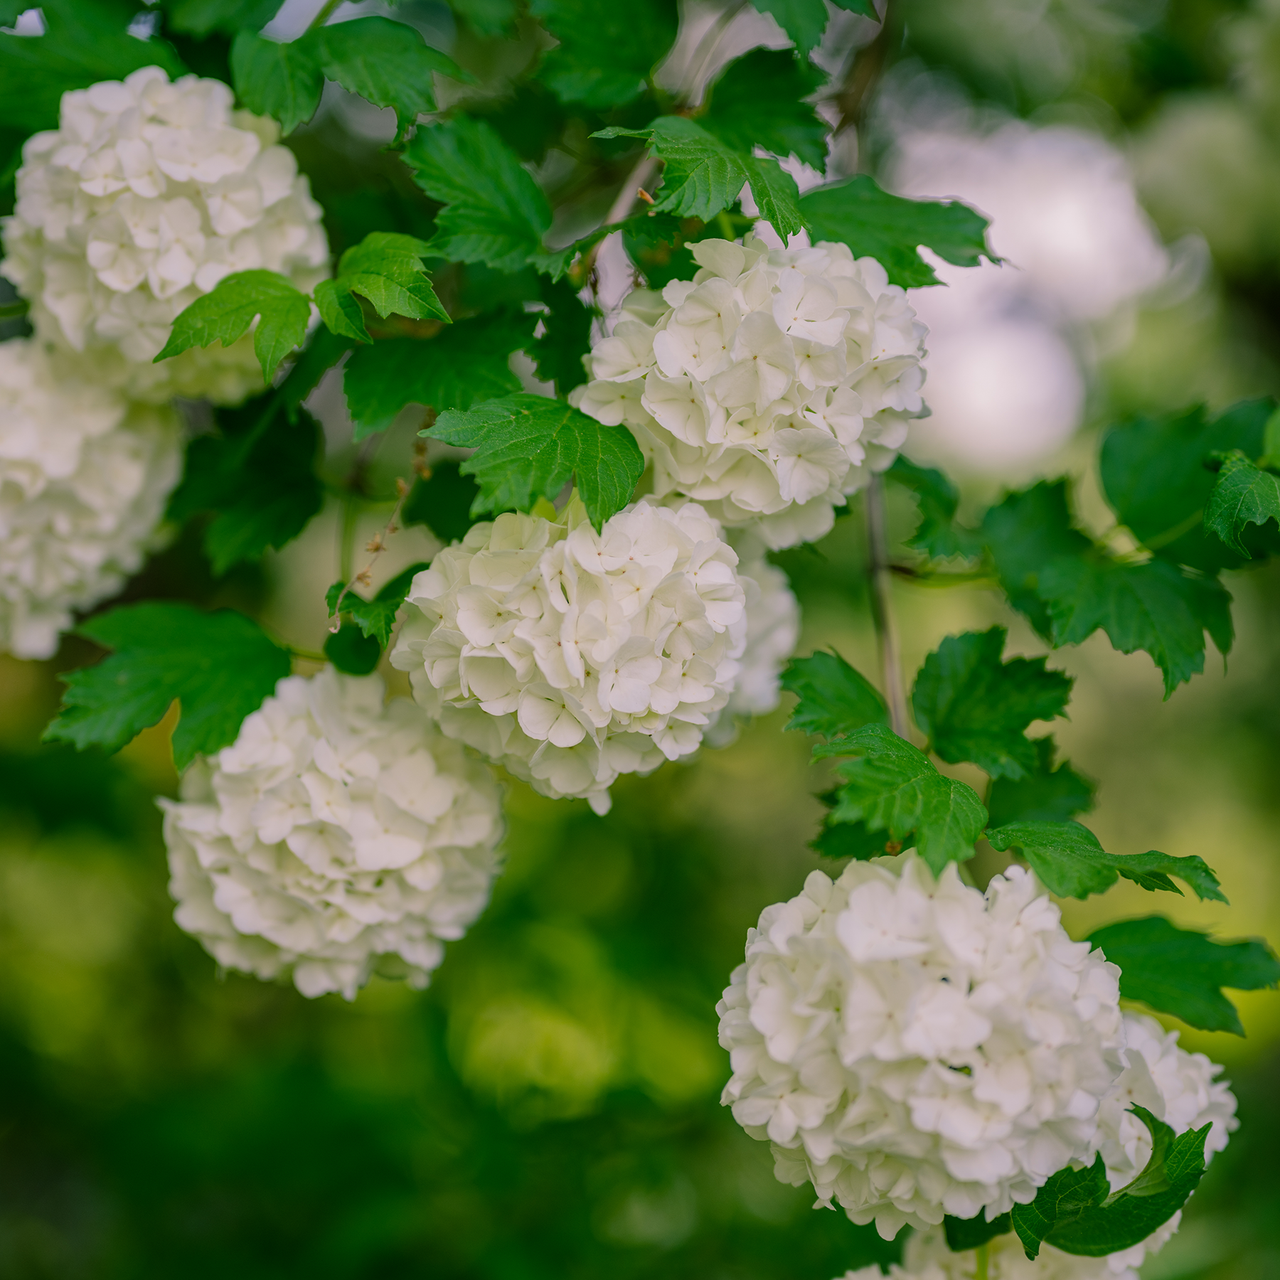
x=201, y=18
x=375, y=617
x=1069, y=860
x=892, y=786
x=220, y=666
x=60, y=789
x=1074, y=1212
x=701, y=175
x=1182, y=972
x=1155, y=607
x=803, y=20
x=851, y=840
x=890, y=229
x=387, y=269
x=756, y=102
x=466, y=362
x=1243, y=495
x=320, y=355
x=974, y=707
x=937, y=535
x=1047, y=793
x=494, y=211
x=528, y=447
x=1029, y=529
x=834, y=699
x=1155, y=478
x=443, y=502
x=385, y=62
x=607, y=52
x=486, y=17
x=85, y=41
x=340, y=311
x=259, y=480
x=225, y=313
x=969, y=1233
x=274, y=79
x=566, y=336
x=350, y=650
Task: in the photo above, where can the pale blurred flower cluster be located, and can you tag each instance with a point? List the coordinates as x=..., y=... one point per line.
x=84, y=478
x=336, y=835
x=146, y=195
x=572, y=656
x=768, y=387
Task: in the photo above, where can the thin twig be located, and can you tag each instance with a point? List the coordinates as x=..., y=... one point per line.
x=878, y=573
x=375, y=546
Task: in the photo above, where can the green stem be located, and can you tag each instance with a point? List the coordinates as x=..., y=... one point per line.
x=12, y=310
x=326, y=12
x=346, y=535
x=881, y=607
x=308, y=655
x=983, y=1251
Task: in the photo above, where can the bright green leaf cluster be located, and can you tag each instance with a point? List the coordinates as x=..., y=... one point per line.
x=218, y=666
x=529, y=447
x=386, y=269
x=385, y=62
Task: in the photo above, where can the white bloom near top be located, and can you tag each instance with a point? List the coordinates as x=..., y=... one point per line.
x=143, y=198
x=335, y=835
x=767, y=387
x=916, y=1048
x=84, y=479
x=1175, y=1086
x=571, y=657
x=773, y=630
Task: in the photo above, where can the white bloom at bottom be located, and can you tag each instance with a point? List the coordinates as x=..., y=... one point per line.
x=335, y=835
x=570, y=656
x=1175, y=1086
x=773, y=630
x=84, y=478
x=915, y=1048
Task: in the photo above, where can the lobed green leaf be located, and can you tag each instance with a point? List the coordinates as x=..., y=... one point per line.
x=466, y=362
x=276, y=79
x=1243, y=495
x=375, y=617
x=225, y=313
x=873, y=223
x=442, y=501
x=805, y=20
x=834, y=699
x=1071, y=863
x=702, y=176
x=757, y=101
x=529, y=447
x=1048, y=793
x=1182, y=972
x=606, y=53
x=972, y=706
x=218, y=666
x=892, y=786
x=494, y=211
x=938, y=534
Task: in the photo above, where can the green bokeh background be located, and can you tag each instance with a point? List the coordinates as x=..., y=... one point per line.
x=549, y=1107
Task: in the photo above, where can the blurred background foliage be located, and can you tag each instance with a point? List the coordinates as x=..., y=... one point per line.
x=549, y=1107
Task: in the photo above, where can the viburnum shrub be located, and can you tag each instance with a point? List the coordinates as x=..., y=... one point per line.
x=605, y=471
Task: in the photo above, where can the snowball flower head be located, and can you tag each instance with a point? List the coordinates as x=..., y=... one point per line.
x=335, y=835
x=768, y=387
x=142, y=199
x=772, y=631
x=571, y=656
x=1175, y=1086
x=916, y=1048
x=84, y=478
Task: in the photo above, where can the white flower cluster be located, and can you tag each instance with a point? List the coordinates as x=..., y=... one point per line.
x=1175, y=1086
x=84, y=478
x=916, y=1048
x=571, y=656
x=335, y=835
x=773, y=629
x=768, y=387
x=143, y=198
